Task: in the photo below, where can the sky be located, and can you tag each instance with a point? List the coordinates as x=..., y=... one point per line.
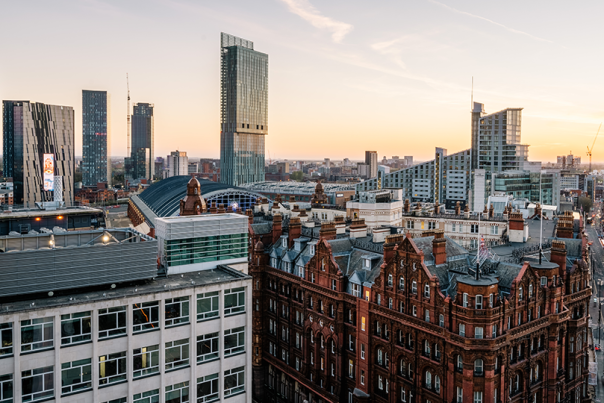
x=345, y=76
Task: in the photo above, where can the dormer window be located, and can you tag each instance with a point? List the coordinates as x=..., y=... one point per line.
x=297, y=246
x=367, y=263
x=284, y=243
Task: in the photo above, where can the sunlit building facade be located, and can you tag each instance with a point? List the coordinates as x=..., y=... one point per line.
x=96, y=164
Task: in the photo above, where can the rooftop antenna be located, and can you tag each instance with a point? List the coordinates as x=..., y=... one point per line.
x=128, y=116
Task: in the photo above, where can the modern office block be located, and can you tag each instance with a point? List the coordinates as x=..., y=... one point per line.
x=142, y=138
x=244, y=111
x=96, y=162
x=371, y=159
x=178, y=164
x=38, y=146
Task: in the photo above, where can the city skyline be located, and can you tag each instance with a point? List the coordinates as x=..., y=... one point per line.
x=377, y=76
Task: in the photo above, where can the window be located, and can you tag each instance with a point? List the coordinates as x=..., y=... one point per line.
x=207, y=347
x=234, y=381
x=145, y=316
x=379, y=299
x=462, y=330
x=530, y=290
x=177, y=311
x=494, y=230
x=519, y=318
x=207, y=305
x=478, y=302
x=75, y=328
x=478, y=395
x=234, y=341
x=36, y=334
x=6, y=340
x=234, y=301
x=403, y=395
x=543, y=281
x=494, y=330
x=459, y=395
x=426, y=291
x=491, y=301
x=350, y=369
x=362, y=377
x=478, y=332
x=427, y=315
x=333, y=285
x=177, y=393
x=6, y=388
x=76, y=376
x=145, y=360
x=465, y=300
x=362, y=351
x=401, y=283
x=437, y=384
x=390, y=280
x=207, y=389
x=356, y=290
x=363, y=323
x=151, y=396
x=520, y=293
x=441, y=320
x=428, y=380
x=37, y=384
x=112, y=368
x=112, y=322
x=177, y=354
x=414, y=287
x=478, y=367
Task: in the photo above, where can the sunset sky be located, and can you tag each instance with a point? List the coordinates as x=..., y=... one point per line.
x=345, y=76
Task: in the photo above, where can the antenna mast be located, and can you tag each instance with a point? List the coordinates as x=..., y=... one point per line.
x=128, y=116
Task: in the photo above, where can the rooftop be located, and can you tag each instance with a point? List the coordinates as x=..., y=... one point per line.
x=295, y=187
x=36, y=212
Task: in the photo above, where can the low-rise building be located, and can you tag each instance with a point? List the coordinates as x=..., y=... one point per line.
x=377, y=207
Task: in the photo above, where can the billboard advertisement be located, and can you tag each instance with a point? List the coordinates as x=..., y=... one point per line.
x=49, y=172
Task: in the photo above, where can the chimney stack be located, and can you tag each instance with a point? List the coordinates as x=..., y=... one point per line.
x=295, y=230
x=457, y=208
x=406, y=206
x=439, y=247
x=327, y=231
x=358, y=228
x=277, y=227
x=558, y=255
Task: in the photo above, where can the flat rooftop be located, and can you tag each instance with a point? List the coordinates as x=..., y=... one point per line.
x=222, y=274
x=207, y=217
x=35, y=212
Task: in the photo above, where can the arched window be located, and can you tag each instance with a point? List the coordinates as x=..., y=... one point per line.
x=536, y=377
x=437, y=384
x=426, y=291
x=401, y=283
x=322, y=341
x=530, y=290
x=517, y=384
x=478, y=367
x=390, y=280
x=459, y=363
x=333, y=347
x=428, y=380
x=414, y=287
x=380, y=356
x=520, y=293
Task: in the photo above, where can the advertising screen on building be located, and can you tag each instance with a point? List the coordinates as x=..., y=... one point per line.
x=49, y=172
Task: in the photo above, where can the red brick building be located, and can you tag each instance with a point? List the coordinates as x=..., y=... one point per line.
x=341, y=318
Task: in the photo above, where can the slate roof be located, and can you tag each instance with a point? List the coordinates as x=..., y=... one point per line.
x=262, y=228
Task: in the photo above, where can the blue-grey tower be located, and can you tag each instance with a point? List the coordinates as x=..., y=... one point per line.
x=96, y=162
x=244, y=111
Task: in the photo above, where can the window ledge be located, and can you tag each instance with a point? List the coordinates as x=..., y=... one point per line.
x=234, y=314
x=106, y=385
x=234, y=394
x=37, y=351
x=76, y=392
x=117, y=336
x=206, y=361
x=145, y=376
x=76, y=344
x=146, y=331
x=176, y=369
x=177, y=325
x=235, y=354
x=207, y=319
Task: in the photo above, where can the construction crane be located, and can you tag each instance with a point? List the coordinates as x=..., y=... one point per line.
x=589, y=150
x=128, y=117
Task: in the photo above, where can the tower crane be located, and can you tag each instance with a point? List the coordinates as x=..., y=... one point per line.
x=128, y=116
x=589, y=150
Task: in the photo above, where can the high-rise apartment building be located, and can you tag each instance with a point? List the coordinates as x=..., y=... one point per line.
x=38, y=151
x=178, y=163
x=244, y=111
x=142, y=142
x=96, y=163
x=496, y=140
x=371, y=159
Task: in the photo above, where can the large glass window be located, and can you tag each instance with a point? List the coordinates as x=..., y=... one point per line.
x=145, y=316
x=6, y=339
x=207, y=305
x=6, y=388
x=177, y=311
x=36, y=334
x=177, y=354
x=112, y=322
x=205, y=249
x=207, y=347
x=145, y=360
x=112, y=368
x=178, y=393
x=37, y=384
x=76, y=376
x=75, y=328
x=207, y=389
x=234, y=301
x=234, y=341
x=151, y=396
x=234, y=381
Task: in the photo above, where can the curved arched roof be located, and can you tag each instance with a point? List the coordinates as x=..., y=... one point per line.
x=163, y=197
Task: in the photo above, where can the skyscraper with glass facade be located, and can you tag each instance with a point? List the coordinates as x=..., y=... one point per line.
x=96, y=163
x=141, y=163
x=38, y=151
x=244, y=111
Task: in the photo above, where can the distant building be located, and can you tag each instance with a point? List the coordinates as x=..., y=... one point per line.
x=38, y=151
x=371, y=159
x=193, y=168
x=142, y=158
x=244, y=111
x=7, y=193
x=96, y=160
x=377, y=207
x=178, y=164
x=159, y=167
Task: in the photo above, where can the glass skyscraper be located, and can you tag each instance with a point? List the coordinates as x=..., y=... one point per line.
x=96, y=163
x=244, y=111
x=141, y=163
x=32, y=131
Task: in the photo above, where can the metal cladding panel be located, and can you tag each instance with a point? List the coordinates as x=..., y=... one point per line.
x=67, y=268
x=214, y=225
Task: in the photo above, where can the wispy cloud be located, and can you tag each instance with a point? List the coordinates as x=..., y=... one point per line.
x=515, y=31
x=306, y=11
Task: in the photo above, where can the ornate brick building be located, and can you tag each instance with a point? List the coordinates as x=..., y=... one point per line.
x=353, y=318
